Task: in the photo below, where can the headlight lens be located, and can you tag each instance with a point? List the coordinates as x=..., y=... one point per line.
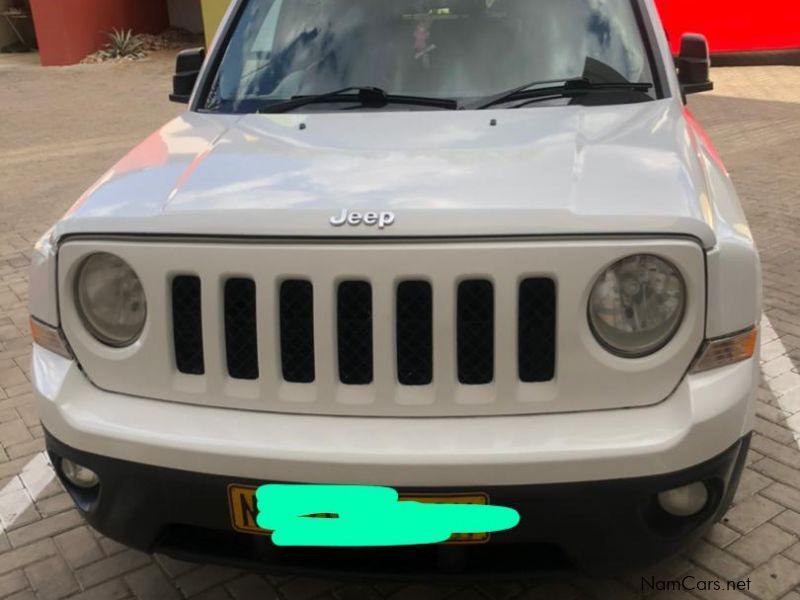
x=637, y=305
x=110, y=299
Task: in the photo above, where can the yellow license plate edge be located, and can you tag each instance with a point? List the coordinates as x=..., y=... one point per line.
x=242, y=510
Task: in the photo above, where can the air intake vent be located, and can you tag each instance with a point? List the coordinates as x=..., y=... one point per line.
x=241, y=346
x=537, y=330
x=415, y=333
x=354, y=328
x=297, y=331
x=187, y=327
x=475, y=322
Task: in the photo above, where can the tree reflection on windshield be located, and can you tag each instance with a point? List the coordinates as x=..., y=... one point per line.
x=437, y=48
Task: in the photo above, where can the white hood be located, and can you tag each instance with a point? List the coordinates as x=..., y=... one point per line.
x=538, y=171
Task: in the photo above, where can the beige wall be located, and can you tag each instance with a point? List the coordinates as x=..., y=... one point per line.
x=213, y=11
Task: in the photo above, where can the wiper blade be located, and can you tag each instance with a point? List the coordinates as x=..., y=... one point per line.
x=567, y=87
x=372, y=97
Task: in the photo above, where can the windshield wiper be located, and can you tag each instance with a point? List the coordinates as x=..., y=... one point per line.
x=566, y=87
x=371, y=97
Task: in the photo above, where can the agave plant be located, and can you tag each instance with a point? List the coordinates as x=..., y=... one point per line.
x=122, y=43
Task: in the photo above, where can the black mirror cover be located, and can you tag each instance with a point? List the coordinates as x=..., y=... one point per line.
x=694, y=64
x=187, y=68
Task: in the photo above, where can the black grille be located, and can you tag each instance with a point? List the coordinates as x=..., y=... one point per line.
x=415, y=333
x=413, y=315
x=241, y=346
x=354, y=325
x=297, y=331
x=187, y=325
x=536, y=348
x=475, y=323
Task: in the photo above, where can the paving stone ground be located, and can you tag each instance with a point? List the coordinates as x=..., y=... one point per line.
x=60, y=128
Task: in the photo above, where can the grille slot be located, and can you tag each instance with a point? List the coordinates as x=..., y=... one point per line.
x=187, y=327
x=536, y=350
x=475, y=332
x=414, y=333
x=297, y=331
x=354, y=329
x=241, y=346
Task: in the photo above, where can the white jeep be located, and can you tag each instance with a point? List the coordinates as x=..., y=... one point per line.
x=478, y=251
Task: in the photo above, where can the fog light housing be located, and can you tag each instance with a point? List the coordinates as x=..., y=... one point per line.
x=78, y=475
x=684, y=501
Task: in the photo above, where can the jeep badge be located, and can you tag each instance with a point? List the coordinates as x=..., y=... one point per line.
x=370, y=219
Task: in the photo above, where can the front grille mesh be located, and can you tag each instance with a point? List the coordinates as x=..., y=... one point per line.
x=187, y=325
x=297, y=331
x=414, y=319
x=241, y=346
x=414, y=333
x=475, y=323
x=354, y=327
x=536, y=352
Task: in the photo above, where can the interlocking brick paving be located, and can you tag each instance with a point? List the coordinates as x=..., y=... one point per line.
x=63, y=127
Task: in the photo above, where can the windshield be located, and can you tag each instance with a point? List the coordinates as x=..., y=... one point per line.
x=454, y=49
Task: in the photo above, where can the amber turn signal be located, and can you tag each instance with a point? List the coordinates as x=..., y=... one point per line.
x=726, y=351
x=49, y=337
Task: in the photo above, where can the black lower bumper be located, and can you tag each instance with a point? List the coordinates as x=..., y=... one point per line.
x=595, y=526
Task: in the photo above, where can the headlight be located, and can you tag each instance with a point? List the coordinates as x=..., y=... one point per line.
x=637, y=305
x=110, y=299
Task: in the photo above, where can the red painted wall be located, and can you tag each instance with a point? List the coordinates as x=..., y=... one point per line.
x=68, y=30
x=734, y=25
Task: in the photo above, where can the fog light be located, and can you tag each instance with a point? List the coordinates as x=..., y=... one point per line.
x=684, y=501
x=78, y=475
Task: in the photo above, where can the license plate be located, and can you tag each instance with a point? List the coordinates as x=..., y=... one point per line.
x=243, y=511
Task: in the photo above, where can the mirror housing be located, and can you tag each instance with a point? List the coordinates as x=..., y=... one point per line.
x=187, y=68
x=694, y=64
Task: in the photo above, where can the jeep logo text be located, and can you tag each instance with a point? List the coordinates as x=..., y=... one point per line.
x=370, y=219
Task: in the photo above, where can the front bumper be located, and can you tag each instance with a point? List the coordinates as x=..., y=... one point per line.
x=584, y=483
x=706, y=414
x=598, y=526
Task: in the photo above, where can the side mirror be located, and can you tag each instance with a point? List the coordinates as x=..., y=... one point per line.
x=187, y=68
x=694, y=64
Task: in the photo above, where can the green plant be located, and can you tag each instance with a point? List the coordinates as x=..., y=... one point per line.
x=122, y=43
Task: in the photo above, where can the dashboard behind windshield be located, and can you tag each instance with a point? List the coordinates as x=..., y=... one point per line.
x=455, y=49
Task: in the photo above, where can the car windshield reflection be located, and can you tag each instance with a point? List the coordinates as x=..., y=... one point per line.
x=450, y=49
